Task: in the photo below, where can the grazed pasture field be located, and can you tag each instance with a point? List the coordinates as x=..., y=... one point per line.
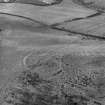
x=52, y=55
